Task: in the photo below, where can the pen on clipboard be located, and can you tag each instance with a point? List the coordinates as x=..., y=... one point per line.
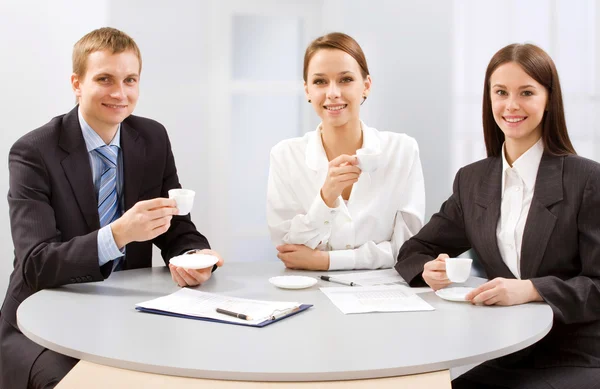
x=343, y=282
x=233, y=314
x=283, y=313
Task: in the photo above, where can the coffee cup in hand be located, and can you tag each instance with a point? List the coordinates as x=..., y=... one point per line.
x=458, y=269
x=368, y=159
x=184, y=199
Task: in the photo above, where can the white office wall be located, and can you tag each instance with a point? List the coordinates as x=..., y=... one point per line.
x=36, y=41
x=408, y=45
x=217, y=110
x=568, y=31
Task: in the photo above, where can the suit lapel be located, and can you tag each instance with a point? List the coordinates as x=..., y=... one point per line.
x=134, y=158
x=76, y=166
x=540, y=221
x=489, y=198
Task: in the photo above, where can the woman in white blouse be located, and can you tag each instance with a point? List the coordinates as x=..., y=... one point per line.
x=324, y=212
x=531, y=212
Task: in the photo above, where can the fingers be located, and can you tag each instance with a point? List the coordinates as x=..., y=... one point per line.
x=286, y=248
x=435, y=265
x=344, y=170
x=436, y=285
x=212, y=252
x=160, y=226
x=200, y=275
x=434, y=273
x=480, y=289
x=442, y=257
x=189, y=277
x=189, y=280
x=158, y=202
x=287, y=260
x=176, y=277
x=159, y=213
x=348, y=159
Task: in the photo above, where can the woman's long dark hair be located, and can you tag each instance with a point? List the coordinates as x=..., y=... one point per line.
x=539, y=66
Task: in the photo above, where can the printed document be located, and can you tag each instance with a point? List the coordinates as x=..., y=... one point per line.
x=377, y=277
x=203, y=304
x=379, y=298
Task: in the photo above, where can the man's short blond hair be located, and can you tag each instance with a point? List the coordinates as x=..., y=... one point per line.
x=105, y=38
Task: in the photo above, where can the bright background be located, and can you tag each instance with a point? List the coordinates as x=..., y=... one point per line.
x=225, y=78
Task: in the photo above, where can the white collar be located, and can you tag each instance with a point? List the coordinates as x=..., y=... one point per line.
x=91, y=137
x=526, y=166
x=316, y=158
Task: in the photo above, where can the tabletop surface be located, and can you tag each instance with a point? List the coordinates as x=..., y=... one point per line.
x=97, y=322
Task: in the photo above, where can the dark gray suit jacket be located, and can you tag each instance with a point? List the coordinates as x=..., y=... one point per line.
x=560, y=251
x=54, y=219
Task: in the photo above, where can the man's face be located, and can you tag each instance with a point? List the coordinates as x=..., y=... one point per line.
x=108, y=92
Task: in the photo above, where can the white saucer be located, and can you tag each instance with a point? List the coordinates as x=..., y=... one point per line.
x=293, y=282
x=194, y=261
x=454, y=294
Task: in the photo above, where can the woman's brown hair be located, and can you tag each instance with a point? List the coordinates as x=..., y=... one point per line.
x=339, y=41
x=539, y=66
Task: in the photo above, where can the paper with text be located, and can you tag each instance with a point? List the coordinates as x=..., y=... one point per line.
x=379, y=298
x=377, y=277
x=203, y=304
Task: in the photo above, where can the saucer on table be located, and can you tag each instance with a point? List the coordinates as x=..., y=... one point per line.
x=293, y=282
x=457, y=293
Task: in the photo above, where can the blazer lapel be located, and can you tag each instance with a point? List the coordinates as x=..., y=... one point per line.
x=134, y=157
x=540, y=221
x=489, y=198
x=76, y=166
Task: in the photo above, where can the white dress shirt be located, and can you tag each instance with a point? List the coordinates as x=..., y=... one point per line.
x=518, y=184
x=385, y=207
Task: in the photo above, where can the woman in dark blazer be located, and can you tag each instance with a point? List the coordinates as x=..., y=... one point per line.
x=531, y=213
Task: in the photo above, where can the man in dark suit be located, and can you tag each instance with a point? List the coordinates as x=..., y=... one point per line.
x=88, y=197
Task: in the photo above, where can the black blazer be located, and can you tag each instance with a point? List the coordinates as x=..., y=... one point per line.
x=54, y=219
x=560, y=252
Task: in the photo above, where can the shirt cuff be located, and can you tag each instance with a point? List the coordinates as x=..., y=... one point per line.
x=107, y=248
x=321, y=214
x=342, y=260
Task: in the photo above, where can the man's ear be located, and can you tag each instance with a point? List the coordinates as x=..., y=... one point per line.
x=75, y=84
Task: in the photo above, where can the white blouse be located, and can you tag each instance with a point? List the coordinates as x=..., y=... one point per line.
x=518, y=184
x=385, y=208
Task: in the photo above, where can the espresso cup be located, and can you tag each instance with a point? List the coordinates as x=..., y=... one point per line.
x=368, y=159
x=458, y=269
x=184, y=199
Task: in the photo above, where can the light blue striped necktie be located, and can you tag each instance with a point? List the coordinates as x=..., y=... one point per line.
x=108, y=200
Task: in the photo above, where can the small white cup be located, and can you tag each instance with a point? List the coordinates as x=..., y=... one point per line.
x=184, y=199
x=368, y=159
x=458, y=269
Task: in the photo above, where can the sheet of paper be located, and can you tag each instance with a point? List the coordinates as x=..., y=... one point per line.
x=379, y=298
x=377, y=277
x=202, y=304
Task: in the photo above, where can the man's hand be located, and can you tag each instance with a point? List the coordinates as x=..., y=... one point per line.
x=144, y=221
x=193, y=277
x=298, y=256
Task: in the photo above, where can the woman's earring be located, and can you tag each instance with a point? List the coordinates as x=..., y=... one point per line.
x=364, y=99
x=309, y=101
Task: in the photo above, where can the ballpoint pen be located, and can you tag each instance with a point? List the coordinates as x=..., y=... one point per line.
x=234, y=314
x=343, y=282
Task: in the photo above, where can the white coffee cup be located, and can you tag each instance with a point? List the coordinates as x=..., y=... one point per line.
x=184, y=199
x=458, y=269
x=368, y=159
